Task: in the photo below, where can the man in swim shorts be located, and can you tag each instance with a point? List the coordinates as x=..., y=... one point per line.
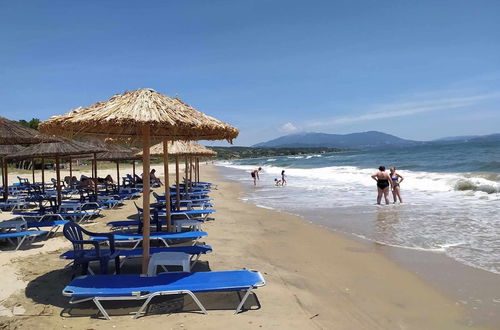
x=255, y=175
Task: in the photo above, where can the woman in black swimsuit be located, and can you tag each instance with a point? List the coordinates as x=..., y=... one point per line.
x=383, y=183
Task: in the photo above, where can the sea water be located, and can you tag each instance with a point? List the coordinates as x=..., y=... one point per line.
x=451, y=195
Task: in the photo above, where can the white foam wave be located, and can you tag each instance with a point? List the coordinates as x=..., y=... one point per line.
x=413, y=180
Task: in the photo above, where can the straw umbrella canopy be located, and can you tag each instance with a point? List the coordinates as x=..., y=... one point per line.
x=11, y=132
x=179, y=149
x=116, y=153
x=57, y=150
x=6, y=150
x=144, y=115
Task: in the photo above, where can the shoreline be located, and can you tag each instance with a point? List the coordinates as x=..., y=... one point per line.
x=316, y=279
x=476, y=289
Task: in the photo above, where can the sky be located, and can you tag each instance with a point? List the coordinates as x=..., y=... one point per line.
x=416, y=69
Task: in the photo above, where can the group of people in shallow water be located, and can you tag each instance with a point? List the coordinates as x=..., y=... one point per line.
x=385, y=181
x=255, y=176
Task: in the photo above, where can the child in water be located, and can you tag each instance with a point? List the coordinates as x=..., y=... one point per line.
x=277, y=182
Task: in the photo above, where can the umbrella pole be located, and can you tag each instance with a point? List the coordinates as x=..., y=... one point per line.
x=1, y=167
x=145, y=198
x=94, y=174
x=70, y=173
x=43, y=175
x=118, y=174
x=33, y=170
x=133, y=168
x=177, y=188
x=190, y=172
x=167, y=184
x=186, y=174
x=58, y=181
x=197, y=169
x=5, y=179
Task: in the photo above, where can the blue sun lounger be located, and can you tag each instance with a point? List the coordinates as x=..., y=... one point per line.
x=22, y=236
x=137, y=287
x=195, y=251
x=52, y=221
x=163, y=237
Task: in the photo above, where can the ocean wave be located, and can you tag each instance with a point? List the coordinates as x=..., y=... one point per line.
x=465, y=185
x=348, y=176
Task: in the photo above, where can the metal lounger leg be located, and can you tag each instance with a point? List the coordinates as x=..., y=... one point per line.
x=101, y=309
x=20, y=241
x=194, y=260
x=240, y=306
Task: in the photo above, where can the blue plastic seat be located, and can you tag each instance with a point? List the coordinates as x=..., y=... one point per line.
x=82, y=257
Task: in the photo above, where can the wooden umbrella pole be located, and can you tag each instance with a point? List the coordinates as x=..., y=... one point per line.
x=167, y=184
x=70, y=173
x=33, y=170
x=145, y=198
x=186, y=178
x=177, y=187
x=58, y=180
x=133, y=169
x=197, y=169
x=190, y=172
x=94, y=174
x=5, y=179
x=118, y=175
x=43, y=175
x=1, y=168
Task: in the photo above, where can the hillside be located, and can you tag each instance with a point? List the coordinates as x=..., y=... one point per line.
x=353, y=140
x=249, y=152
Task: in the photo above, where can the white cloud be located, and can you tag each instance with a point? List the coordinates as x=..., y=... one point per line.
x=407, y=108
x=288, y=128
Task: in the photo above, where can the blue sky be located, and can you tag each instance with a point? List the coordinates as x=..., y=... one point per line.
x=416, y=69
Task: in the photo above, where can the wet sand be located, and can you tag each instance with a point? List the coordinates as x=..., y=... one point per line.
x=316, y=279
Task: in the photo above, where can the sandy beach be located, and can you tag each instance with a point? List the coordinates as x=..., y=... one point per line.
x=315, y=279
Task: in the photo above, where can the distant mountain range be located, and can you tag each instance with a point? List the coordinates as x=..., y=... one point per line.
x=358, y=140
x=353, y=140
x=467, y=138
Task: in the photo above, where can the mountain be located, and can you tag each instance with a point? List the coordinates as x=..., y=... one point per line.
x=456, y=138
x=487, y=138
x=353, y=140
x=470, y=138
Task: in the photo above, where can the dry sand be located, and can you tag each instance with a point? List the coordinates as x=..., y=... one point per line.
x=316, y=279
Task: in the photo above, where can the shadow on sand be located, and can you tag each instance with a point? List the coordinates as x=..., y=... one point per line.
x=47, y=289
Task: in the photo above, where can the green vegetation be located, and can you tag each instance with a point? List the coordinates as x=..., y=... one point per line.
x=33, y=123
x=250, y=152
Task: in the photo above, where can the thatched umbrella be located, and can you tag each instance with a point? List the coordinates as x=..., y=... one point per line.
x=6, y=150
x=142, y=114
x=11, y=132
x=202, y=151
x=116, y=153
x=57, y=150
x=180, y=149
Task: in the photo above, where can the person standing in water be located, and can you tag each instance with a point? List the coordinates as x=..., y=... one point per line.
x=396, y=190
x=255, y=175
x=283, y=181
x=383, y=182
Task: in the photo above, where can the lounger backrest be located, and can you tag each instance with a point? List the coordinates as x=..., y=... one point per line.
x=73, y=233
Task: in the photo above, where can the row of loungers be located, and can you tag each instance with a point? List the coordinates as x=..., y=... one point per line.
x=100, y=288
x=50, y=218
